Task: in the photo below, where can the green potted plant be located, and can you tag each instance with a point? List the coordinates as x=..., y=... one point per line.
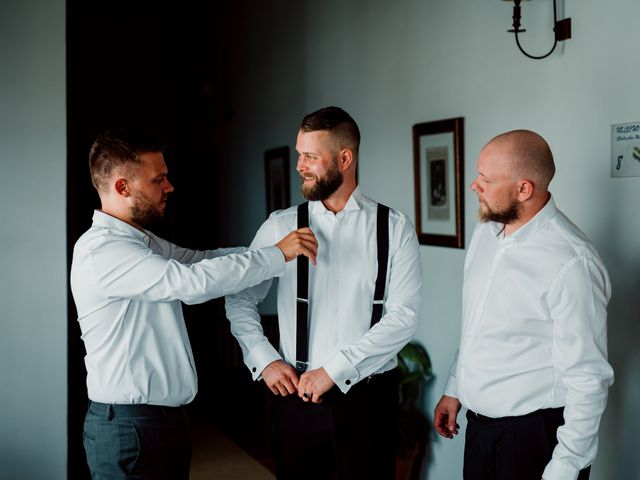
x=414, y=368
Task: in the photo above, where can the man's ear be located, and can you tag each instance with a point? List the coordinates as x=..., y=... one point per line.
x=345, y=159
x=121, y=187
x=525, y=190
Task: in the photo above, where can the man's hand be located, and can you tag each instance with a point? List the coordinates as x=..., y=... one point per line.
x=444, y=416
x=280, y=377
x=313, y=384
x=299, y=242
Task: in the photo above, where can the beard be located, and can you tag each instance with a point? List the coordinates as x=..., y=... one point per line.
x=506, y=215
x=324, y=186
x=144, y=212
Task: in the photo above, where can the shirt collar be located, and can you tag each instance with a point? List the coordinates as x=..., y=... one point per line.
x=354, y=203
x=101, y=219
x=538, y=221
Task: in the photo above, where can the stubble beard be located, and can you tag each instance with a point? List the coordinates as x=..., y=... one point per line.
x=145, y=213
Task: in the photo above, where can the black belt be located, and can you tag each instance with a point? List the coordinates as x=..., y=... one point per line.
x=110, y=410
x=471, y=415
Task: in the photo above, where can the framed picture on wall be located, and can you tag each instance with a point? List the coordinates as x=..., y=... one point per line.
x=276, y=169
x=438, y=163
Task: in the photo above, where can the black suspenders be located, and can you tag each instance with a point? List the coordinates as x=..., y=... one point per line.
x=302, y=299
x=302, y=295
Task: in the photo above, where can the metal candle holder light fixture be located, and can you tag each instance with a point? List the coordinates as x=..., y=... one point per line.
x=561, y=29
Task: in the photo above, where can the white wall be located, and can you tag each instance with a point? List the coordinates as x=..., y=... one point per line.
x=33, y=279
x=393, y=64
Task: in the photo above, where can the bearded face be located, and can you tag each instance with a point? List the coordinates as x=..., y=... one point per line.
x=507, y=214
x=320, y=187
x=145, y=212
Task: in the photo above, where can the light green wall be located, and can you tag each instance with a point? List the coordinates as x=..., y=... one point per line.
x=33, y=293
x=394, y=64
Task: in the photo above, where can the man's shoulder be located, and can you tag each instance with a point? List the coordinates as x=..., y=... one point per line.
x=284, y=213
x=100, y=237
x=372, y=205
x=569, y=238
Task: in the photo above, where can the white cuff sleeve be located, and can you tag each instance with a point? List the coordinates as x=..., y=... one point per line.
x=343, y=374
x=559, y=471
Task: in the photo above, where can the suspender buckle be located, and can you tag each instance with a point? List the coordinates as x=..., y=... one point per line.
x=301, y=367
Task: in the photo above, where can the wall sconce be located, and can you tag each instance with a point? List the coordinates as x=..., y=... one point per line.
x=561, y=29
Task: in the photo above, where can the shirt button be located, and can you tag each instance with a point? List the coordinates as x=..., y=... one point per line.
x=253, y=369
x=348, y=382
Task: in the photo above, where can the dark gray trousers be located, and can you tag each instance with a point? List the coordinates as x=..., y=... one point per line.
x=137, y=442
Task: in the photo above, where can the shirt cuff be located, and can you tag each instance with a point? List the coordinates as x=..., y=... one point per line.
x=260, y=357
x=556, y=470
x=451, y=390
x=276, y=259
x=343, y=374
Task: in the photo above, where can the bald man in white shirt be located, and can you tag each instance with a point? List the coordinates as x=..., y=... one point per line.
x=531, y=368
x=128, y=285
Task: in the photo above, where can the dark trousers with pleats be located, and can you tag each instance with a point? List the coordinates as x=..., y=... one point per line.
x=512, y=448
x=348, y=436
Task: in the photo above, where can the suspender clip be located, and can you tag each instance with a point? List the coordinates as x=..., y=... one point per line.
x=301, y=367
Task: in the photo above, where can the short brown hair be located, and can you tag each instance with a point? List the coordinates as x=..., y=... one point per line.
x=337, y=122
x=117, y=148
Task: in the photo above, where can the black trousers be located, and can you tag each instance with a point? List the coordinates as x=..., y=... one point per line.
x=137, y=442
x=348, y=436
x=512, y=448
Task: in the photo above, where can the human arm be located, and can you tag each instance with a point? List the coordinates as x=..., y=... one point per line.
x=262, y=359
x=365, y=356
x=577, y=304
x=187, y=255
x=295, y=243
x=125, y=267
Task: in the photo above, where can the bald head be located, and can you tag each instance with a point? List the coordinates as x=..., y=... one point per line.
x=527, y=156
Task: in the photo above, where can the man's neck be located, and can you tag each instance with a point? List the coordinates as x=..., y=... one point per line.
x=528, y=212
x=124, y=218
x=338, y=200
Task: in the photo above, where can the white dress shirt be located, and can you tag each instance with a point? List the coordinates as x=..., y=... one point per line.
x=341, y=288
x=127, y=285
x=534, y=331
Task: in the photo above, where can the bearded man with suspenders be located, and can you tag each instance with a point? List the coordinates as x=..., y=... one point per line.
x=341, y=322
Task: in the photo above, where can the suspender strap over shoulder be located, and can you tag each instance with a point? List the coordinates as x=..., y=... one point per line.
x=302, y=299
x=382, y=233
x=302, y=295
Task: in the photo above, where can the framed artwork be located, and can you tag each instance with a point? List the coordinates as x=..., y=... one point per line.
x=276, y=174
x=438, y=163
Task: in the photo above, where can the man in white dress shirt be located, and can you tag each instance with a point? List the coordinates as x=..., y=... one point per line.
x=532, y=365
x=128, y=285
x=335, y=410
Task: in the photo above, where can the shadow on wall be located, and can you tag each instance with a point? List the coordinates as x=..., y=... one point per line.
x=626, y=390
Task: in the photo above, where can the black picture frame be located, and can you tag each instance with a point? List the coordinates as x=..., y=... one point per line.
x=438, y=162
x=276, y=174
